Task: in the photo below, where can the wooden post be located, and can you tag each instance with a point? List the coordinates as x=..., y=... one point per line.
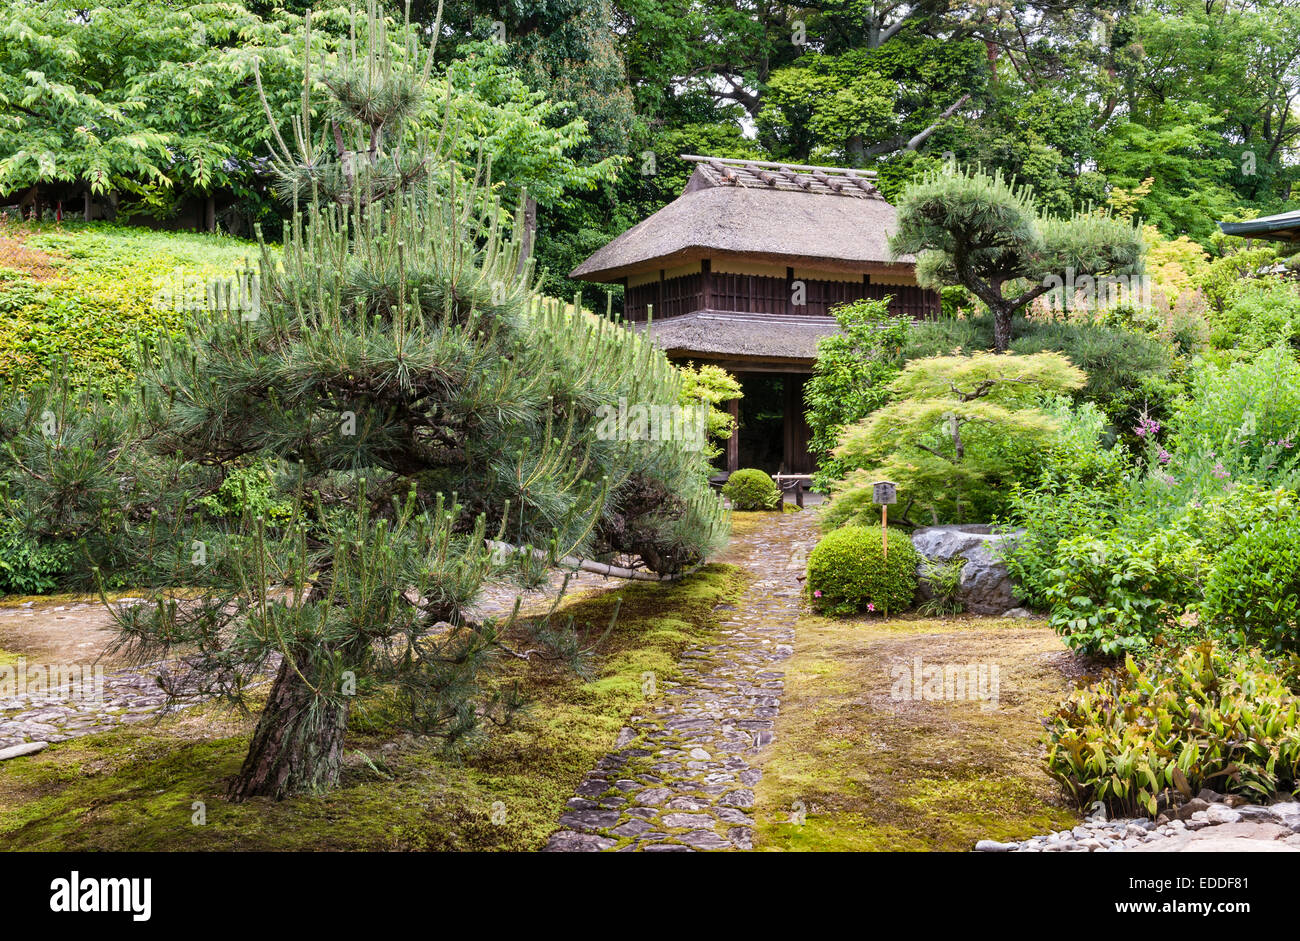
x=884, y=492
x=733, y=443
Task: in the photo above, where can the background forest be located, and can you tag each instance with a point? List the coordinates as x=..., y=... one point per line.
x=1179, y=113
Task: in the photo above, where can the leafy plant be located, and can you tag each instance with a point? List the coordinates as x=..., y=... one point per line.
x=851, y=378
x=1116, y=594
x=708, y=386
x=249, y=490
x=29, y=566
x=1253, y=590
x=942, y=577
x=849, y=571
x=960, y=430
x=1200, y=717
x=752, y=489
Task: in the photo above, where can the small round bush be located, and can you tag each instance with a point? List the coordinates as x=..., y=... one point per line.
x=1253, y=592
x=848, y=572
x=751, y=489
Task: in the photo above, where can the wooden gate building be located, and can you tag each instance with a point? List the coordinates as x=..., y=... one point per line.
x=743, y=269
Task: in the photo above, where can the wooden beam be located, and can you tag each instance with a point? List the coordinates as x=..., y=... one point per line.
x=733, y=443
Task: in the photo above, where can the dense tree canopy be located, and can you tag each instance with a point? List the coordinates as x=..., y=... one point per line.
x=1187, y=103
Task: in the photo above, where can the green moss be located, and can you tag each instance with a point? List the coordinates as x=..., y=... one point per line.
x=868, y=772
x=134, y=788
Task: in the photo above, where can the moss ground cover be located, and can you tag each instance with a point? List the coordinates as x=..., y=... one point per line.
x=135, y=789
x=872, y=773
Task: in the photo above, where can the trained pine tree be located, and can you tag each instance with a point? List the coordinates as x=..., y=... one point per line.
x=977, y=230
x=434, y=424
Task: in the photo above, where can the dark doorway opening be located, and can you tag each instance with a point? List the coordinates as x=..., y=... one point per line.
x=762, y=421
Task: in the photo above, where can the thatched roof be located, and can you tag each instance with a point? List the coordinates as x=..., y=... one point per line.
x=737, y=335
x=800, y=214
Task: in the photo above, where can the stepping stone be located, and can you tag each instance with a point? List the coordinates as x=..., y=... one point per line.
x=739, y=798
x=677, y=821
x=705, y=840
x=590, y=819
x=566, y=841
x=27, y=748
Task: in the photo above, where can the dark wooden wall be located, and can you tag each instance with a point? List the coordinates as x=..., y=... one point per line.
x=768, y=295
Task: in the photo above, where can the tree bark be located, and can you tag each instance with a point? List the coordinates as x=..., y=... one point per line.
x=1001, y=329
x=298, y=745
x=530, y=231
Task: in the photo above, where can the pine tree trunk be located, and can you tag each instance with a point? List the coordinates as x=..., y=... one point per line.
x=298, y=745
x=1001, y=330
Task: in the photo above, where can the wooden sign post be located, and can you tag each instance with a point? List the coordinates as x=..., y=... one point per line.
x=884, y=492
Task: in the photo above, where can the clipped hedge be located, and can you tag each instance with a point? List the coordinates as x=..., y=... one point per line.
x=1156, y=733
x=848, y=572
x=751, y=489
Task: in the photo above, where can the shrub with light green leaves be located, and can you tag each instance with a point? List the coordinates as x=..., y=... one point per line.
x=1200, y=717
x=1116, y=590
x=849, y=572
x=1253, y=591
x=752, y=489
x=1116, y=594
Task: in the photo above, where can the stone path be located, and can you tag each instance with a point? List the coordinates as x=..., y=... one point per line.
x=42, y=701
x=682, y=777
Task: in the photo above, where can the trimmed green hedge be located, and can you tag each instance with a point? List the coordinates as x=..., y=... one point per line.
x=848, y=572
x=751, y=489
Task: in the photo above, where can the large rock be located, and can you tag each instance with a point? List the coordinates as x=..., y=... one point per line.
x=985, y=582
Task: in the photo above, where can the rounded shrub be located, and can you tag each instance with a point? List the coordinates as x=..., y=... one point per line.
x=1253, y=591
x=849, y=572
x=751, y=489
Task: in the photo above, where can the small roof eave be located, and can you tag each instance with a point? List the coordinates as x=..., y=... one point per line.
x=1283, y=227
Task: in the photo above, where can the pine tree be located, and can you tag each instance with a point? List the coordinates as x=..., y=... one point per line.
x=425, y=407
x=979, y=231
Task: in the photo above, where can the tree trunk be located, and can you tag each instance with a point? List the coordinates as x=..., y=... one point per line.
x=298, y=745
x=530, y=231
x=1001, y=329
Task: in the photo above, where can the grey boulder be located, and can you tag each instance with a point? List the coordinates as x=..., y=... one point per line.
x=985, y=583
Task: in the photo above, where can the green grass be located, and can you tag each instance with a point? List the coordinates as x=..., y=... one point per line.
x=135, y=788
x=853, y=769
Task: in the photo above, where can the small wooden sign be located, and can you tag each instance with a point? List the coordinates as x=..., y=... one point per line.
x=884, y=492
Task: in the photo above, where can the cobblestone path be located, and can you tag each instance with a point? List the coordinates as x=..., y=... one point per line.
x=681, y=778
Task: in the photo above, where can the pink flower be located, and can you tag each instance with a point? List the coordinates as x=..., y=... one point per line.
x=870, y=606
x=1220, y=471
x=1146, y=427
x=1163, y=456
x=817, y=593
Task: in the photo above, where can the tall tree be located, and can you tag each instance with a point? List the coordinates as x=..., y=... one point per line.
x=437, y=426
